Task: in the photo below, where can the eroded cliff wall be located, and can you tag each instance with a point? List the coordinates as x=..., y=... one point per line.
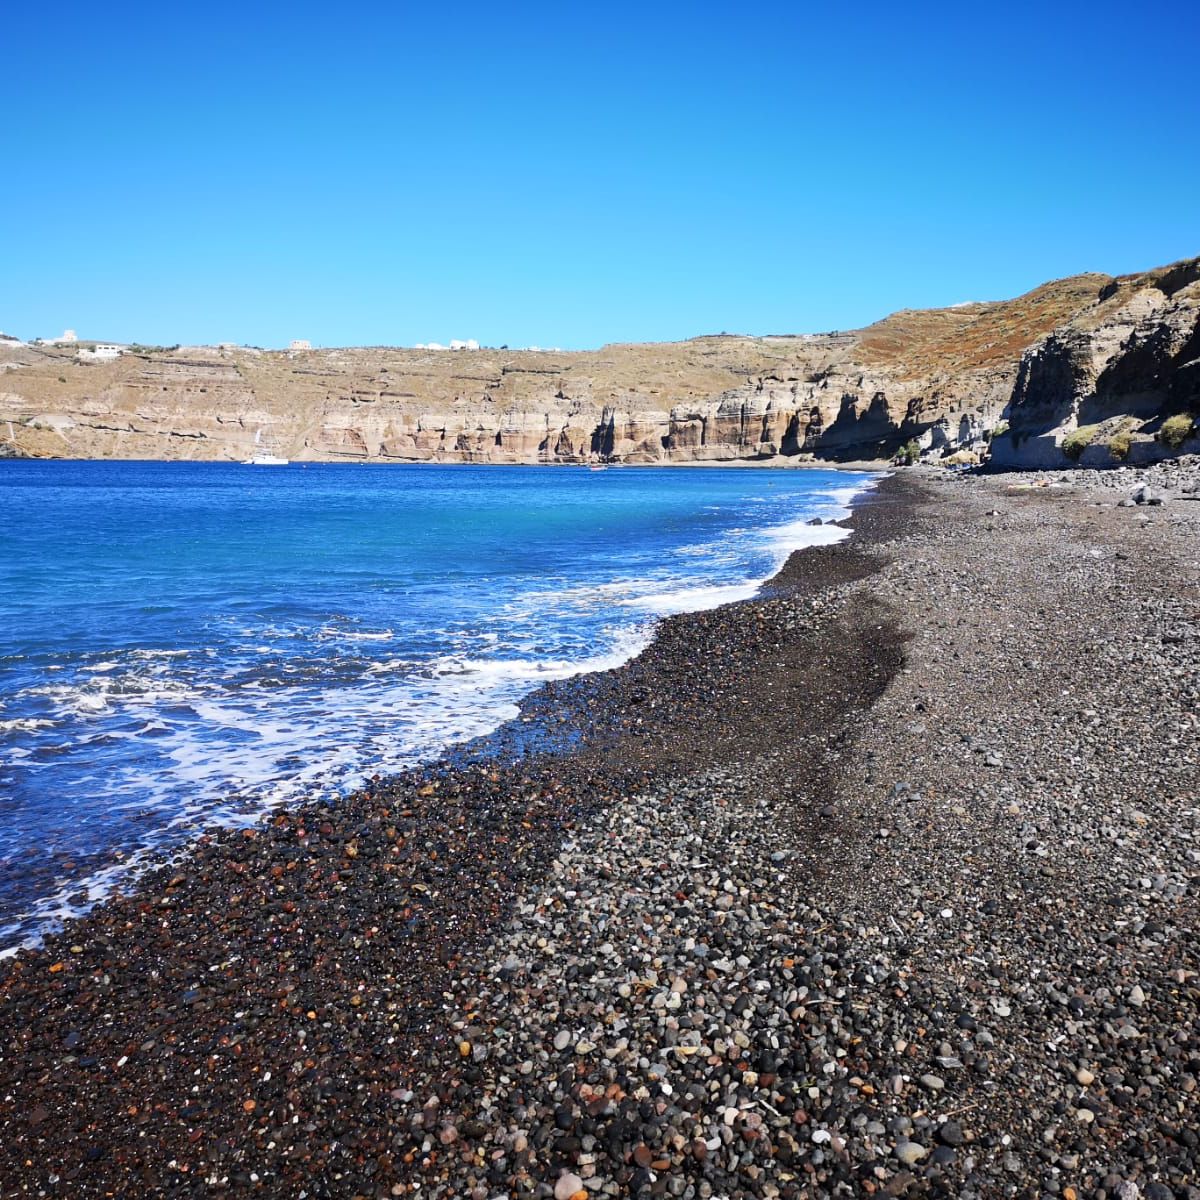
x=1066, y=353
x=1122, y=365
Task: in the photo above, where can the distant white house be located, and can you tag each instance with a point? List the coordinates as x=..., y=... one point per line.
x=103, y=352
x=469, y=344
x=300, y=344
x=69, y=335
x=429, y=346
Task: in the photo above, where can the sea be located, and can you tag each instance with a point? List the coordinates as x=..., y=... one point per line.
x=187, y=645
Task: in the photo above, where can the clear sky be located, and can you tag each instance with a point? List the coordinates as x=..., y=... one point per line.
x=569, y=175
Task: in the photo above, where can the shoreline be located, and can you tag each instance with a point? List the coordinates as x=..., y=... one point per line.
x=236, y=874
x=776, y=462
x=113, y=868
x=345, y=950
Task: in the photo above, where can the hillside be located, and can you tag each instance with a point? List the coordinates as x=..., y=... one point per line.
x=1078, y=349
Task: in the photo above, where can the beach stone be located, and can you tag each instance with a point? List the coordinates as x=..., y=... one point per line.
x=950, y=1133
x=568, y=1186
x=910, y=1153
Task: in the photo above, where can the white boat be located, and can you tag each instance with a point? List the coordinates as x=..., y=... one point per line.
x=265, y=453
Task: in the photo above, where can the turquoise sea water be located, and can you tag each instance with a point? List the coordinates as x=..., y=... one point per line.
x=183, y=644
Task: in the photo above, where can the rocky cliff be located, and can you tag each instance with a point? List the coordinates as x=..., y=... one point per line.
x=1086, y=349
x=1102, y=384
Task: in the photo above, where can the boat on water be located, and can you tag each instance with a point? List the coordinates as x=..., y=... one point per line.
x=266, y=453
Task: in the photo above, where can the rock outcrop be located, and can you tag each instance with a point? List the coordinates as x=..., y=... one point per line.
x=1120, y=367
x=1087, y=350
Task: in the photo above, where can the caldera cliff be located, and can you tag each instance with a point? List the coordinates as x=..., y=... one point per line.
x=1112, y=357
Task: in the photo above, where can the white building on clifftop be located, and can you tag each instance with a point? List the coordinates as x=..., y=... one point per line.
x=102, y=352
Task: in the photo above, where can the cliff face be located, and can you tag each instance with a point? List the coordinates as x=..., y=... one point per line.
x=1065, y=354
x=1122, y=364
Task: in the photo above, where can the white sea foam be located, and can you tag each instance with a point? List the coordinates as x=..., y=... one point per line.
x=89, y=702
x=586, y=596
x=354, y=635
x=799, y=535
x=691, y=599
x=112, y=690
x=390, y=666
x=25, y=725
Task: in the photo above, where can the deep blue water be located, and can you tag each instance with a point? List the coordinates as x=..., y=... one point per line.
x=183, y=644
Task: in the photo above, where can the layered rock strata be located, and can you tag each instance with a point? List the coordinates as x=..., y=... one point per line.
x=1081, y=351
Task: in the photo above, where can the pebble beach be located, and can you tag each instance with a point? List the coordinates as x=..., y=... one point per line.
x=884, y=882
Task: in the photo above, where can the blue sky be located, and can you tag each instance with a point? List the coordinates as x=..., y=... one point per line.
x=573, y=175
